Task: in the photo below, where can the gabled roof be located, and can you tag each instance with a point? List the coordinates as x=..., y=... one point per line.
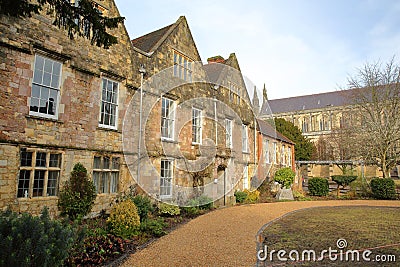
x=147, y=42
x=309, y=102
x=150, y=42
x=268, y=130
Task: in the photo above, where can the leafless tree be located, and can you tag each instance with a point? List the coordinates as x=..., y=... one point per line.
x=376, y=121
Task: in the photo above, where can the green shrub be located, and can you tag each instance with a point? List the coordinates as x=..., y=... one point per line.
x=96, y=250
x=318, y=186
x=285, y=177
x=166, y=209
x=343, y=181
x=383, y=188
x=153, y=227
x=240, y=196
x=252, y=196
x=205, y=203
x=124, y=220
x=78, y=194
x=26, y=240
x=144, y=206
x=192, y=208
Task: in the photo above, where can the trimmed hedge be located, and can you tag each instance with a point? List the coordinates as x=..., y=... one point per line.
x=318, y=186
x=383, y=188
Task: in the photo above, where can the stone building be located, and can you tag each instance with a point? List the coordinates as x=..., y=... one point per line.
x=275, y=151
x=146, y=111
x=62, y=101
x=198, y=121
x=318, y=116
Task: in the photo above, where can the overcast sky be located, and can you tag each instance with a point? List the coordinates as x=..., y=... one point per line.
x=294, y=47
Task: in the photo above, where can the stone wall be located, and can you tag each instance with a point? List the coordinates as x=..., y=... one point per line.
x=75, y=133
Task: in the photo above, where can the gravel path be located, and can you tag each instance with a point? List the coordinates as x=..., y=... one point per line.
x=224, y=237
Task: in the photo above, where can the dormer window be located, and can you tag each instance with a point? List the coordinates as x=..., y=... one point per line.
x=182, y=67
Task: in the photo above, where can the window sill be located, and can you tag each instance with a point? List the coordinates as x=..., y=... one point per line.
x=100, y=127
x=28, y=199
x=36, y=117
x=196, y=144
x=166, y=140
x=106, y=194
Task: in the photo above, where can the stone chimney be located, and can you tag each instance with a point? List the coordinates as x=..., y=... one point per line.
x=216, y=59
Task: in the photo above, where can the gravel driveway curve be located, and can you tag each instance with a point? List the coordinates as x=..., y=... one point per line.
x=224, y=237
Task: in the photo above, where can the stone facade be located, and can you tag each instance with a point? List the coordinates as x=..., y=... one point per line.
x=73, y=132
x=318, y=116
x=275, y=152
x=66, y=101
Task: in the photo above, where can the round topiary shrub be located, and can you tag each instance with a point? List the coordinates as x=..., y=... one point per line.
x=318, y=186
x=285, y=177
x=343, y=181
x=383, y=188
x=78, y=194
x=124, y=220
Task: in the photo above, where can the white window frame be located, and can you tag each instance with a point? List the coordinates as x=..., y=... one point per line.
x=52, y=89
x=106, y=178
x=183, y=67
x=267, y=156
x=197, y=129
x=246, y=177
x=290, y=156
x=228, y=133
x=305, y=126
x=274, y=152
x=166, y=177
x=167, y=119
x=283, y=158
x=106, y=101
x=245, y=138
x=29, y=190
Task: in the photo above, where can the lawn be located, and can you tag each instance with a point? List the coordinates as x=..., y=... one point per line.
x=362, y=228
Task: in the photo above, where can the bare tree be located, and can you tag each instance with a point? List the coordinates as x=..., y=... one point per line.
x=376, y=102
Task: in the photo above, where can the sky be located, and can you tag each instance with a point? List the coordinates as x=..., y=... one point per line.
x=294, y=47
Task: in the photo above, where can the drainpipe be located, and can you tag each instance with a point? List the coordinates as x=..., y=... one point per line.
x=142, y=71
x=224, y=186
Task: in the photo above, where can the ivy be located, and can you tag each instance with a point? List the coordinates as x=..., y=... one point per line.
x=83, y=20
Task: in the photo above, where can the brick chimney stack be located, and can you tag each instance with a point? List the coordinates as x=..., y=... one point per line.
x=216, y=59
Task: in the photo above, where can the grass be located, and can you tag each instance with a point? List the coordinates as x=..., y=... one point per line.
x=319, y=229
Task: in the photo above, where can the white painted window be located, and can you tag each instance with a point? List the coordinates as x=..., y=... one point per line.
x=283, y=157
x=167, y=118
x=196, y=126
x=106, y=174
x=39, y=173
x=267, y=154
x=290, y=156
x=182, y=67
x=166, y=176
x=109, y=104
x=245, y=138
x=274, y=152
x=246, y=177
x=45, y=88
x=228, y=133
